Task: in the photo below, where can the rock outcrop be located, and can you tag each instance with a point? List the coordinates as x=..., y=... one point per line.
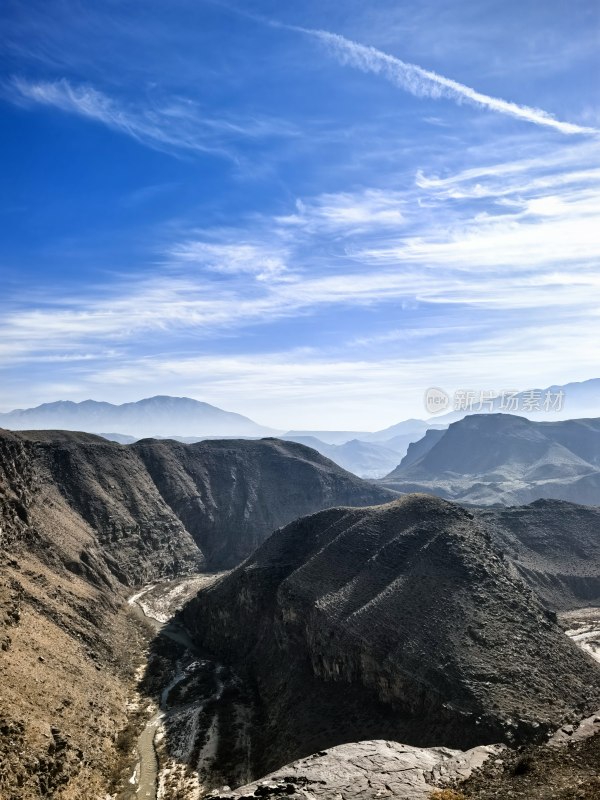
x=364, y=770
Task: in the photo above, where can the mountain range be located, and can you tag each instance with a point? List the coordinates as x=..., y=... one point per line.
x=368, y=454
x=501, y=458
x=159, y=505
x=349, y=615
x=160, y=415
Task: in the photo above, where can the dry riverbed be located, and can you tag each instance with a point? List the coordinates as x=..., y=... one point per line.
x=188, y=721
x=583, y=626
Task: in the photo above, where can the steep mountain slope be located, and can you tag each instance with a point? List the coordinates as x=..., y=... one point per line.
x=81, y=520
x=554, y=545
x=106, y=488
x=230, y=495
x=68, y=646
x=150, y=417
x=399, y=622
x=507, y=459
x=163, y=507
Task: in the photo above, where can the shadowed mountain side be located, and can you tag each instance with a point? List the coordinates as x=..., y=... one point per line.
x=400, y=622
x=555, y=546
x=103, y=490
x=491, y=458
x=231, y=495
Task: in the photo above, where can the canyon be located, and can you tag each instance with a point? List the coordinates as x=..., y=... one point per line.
x=178, y=620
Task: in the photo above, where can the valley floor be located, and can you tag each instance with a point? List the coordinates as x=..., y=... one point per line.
x=178, y=754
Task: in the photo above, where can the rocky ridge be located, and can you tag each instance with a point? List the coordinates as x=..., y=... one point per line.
x=399, y=622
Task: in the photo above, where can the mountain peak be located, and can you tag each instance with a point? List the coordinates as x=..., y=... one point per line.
x=161, y=415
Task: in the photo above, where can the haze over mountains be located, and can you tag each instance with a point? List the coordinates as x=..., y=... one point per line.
x=368, y=454
x=501, y=458
x=160, y=415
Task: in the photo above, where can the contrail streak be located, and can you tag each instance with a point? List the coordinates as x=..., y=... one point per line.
x=425, y=83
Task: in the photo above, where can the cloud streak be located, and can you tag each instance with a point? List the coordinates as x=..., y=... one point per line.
x=426, y=83
x=175, y=126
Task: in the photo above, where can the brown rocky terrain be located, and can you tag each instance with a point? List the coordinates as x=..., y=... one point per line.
x=396, y=622
x=68, y=648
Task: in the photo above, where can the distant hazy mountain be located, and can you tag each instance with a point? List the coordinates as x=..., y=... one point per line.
x=488, y=458
x=577, y=400
x=365, y=459
x=369, y=455
x=327, y=437
x=160, y=415
x=120, y=438
x=409, y=430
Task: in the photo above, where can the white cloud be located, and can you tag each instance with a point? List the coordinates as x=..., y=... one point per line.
x=303, y=388
x=425, y=83
x=348, y=212
x=540, y=251
x=231, y=258
x=478, y=288
x=177, y=125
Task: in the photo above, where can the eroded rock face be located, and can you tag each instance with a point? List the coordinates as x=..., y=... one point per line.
x=367, y=770
x=399, y=622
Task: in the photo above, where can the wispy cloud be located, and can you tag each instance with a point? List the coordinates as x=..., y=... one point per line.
x=231, y=258
x=348, y=212
x=425, y=83
x=178, y=125
x=470, y=275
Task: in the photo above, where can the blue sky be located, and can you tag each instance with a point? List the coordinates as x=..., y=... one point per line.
x=307, y=212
